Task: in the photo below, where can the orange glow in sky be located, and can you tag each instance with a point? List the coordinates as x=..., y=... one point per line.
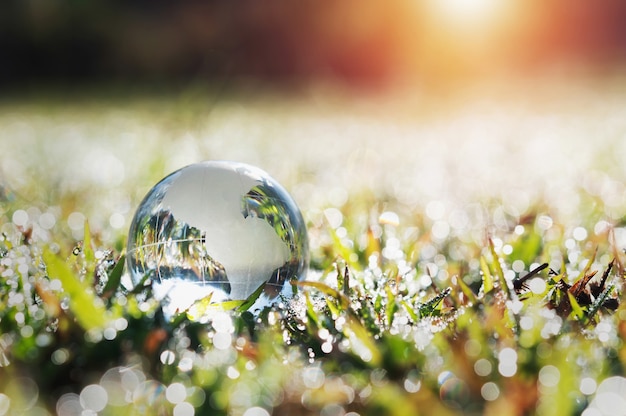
x=464, y=37
x=467, y=11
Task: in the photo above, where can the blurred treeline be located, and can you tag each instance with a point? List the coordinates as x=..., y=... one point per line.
x=371, y=42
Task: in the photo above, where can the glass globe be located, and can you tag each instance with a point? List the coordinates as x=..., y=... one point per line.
x=218, y=229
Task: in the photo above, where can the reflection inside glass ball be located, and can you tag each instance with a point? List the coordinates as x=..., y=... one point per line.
x=218, y=229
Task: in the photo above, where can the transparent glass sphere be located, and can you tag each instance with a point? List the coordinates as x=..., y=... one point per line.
x=217, y=228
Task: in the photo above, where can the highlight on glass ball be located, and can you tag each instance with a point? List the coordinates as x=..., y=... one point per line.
x=217, y=230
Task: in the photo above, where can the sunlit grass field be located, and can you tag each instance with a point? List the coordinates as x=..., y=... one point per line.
x=426, y=209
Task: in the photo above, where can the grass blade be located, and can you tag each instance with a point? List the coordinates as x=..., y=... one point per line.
x=577, y=311
x=362, y=342
x=327, y=290
x=245, y=305
x=599, y=302
x=392, y=306
x=90, y=257
x=115, y=278
x=467, y=291
x=310, y=311
x=409, y=309
x=87, y=308
x=487, y=277
x=495, y=263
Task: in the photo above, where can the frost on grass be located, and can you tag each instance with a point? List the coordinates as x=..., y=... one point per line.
x=389, y=311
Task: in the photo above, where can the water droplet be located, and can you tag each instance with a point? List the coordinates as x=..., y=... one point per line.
x=454, y=392
x=109, y=334
x=389, y=218
x=256, y=411
x=185, y=364
x=507, y=366
x=168, y=357
x=131, y=378
x=111, y=381
x=176, y=393
x=222, y=340
x=334, y=217
x=149, y=393
x=76, y=221
x=47, y=220
x=313, y=377
x=588, y=386
x=93, y=397
x=544, y=222
x=490, y=391
x=440, y=230
x=537, y=285
x=24, y=394
x=69, y=405
x=121, y=324
x=232, y=373
x=26, y=331
x=435, y=210
x=5, y=403
x=518, y=266
x=549, y=376
x=60, y=356
x=20, y=218
x=482, y=367
x=472, y=347
x=183, y=409
x=526, y=322
x=117, y=220
x=412, y=385
x=579, y=233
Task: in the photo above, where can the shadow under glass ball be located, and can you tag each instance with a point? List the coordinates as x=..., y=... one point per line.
x=217, y=228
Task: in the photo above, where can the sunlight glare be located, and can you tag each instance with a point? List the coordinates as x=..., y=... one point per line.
x=468, y=9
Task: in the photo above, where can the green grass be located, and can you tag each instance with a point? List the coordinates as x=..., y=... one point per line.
x=415, y=302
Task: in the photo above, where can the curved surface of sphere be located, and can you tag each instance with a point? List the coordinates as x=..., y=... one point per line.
x=217, y=228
